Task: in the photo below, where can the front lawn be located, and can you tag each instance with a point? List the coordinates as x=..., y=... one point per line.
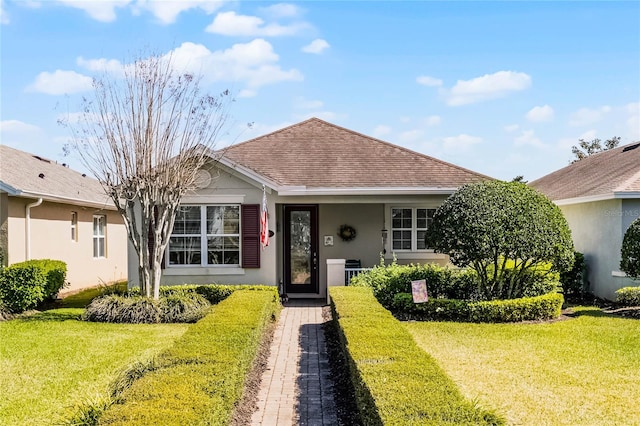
x=582, y=371
x=51, y=362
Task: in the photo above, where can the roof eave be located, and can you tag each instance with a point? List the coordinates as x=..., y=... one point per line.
x=600, y=197
x=107, y=204
x=5, y=187
x=305, y=191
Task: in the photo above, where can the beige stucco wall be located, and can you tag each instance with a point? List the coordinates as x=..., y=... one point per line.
x=598, y=229
x=51, y=239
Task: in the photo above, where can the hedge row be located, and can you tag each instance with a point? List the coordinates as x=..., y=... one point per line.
x=628, y=296
x=200, y=379
x=536, y=308
x=396, y=382
x=443, y=282
x=26, y=284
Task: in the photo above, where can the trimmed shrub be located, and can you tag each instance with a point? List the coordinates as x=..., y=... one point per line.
x=201, y=378
x=22, y=287
x=483, y=223
x=628, y=296
x=5, y=313
x=183, y=307
x=396, y=382
x=536, y=308
x=56, y=272
x=446, y=283
x=630, y=251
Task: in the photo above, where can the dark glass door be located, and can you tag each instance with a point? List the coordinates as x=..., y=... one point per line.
x=301, y=248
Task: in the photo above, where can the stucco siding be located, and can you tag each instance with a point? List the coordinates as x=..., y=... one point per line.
x=50, y=238
x=597, y=229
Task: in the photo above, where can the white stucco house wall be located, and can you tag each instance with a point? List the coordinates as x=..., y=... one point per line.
x=49, y=211
x=600, y=197
x=317, y=177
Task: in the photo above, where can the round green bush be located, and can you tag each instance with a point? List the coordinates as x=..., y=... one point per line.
x=630, y=251
x=22, y=287
x=628, y=296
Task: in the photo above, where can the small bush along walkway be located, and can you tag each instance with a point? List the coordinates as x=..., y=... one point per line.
x=396, y=383
x=582, y=371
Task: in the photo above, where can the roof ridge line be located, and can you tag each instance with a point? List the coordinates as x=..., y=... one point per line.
x=627, y=182
x=271, y=133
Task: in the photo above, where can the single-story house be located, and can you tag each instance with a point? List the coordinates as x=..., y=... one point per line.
x=600, y=197
x=333, y=196
x=48, y=211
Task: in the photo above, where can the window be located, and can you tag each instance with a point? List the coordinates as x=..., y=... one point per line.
x=99, y=236
x=409, y=227
x=74, y=226
x=212, y=230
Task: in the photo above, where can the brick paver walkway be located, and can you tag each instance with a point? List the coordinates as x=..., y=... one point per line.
x=296, y=388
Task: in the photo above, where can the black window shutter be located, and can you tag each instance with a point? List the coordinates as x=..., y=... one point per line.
x=250, y=235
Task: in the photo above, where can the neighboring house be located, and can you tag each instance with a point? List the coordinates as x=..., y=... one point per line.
x=48, y=211
x=600, y=197
x=317, y=177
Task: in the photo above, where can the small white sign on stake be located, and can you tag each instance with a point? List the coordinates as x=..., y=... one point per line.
x=419, y=291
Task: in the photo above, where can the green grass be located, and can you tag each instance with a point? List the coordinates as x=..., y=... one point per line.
x=200, y=379
x=396, y=383
x=582, y=371
x=51, y=362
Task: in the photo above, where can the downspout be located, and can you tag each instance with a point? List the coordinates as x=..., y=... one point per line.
x=27, y=228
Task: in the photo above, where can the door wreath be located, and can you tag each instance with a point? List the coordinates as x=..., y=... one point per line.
x=347, y=232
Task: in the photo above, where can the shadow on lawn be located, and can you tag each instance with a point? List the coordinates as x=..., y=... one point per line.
x=56, y=315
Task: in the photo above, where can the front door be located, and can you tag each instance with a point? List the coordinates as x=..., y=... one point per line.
x=301, y=248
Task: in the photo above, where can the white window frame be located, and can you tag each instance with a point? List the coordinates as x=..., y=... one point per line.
x=414, y=228
x=74, y=226
x=100, y=236
x=204, y=236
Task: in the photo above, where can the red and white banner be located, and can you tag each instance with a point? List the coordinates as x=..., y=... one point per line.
x=264, y=220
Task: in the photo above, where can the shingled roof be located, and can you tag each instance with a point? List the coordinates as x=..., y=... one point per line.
x=614, y=173
x=26, y=175
x=318, y=154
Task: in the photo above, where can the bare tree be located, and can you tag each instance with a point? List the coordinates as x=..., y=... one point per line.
x=144, y=135
x=585, y=148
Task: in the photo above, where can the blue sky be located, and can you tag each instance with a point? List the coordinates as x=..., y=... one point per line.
x=502, y=88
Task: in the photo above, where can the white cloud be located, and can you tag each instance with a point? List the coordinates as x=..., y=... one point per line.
x=433, y=120
x=101, y=65
x=60, y=82
x=4, y=18
x=302, y=103
x=511, y=128
x=410, y=135
x=588, y=116
x=254, y=63
x=425, y=80
x=528, y=138
x=317, y=46
x=462, y=142
x=168, y=11
x=247, y=93
x=21, y=135
x=281, y=10
x=103, y=11
x=540, y=114
x=488, y=86
x=381, y=131
x=232, y=24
